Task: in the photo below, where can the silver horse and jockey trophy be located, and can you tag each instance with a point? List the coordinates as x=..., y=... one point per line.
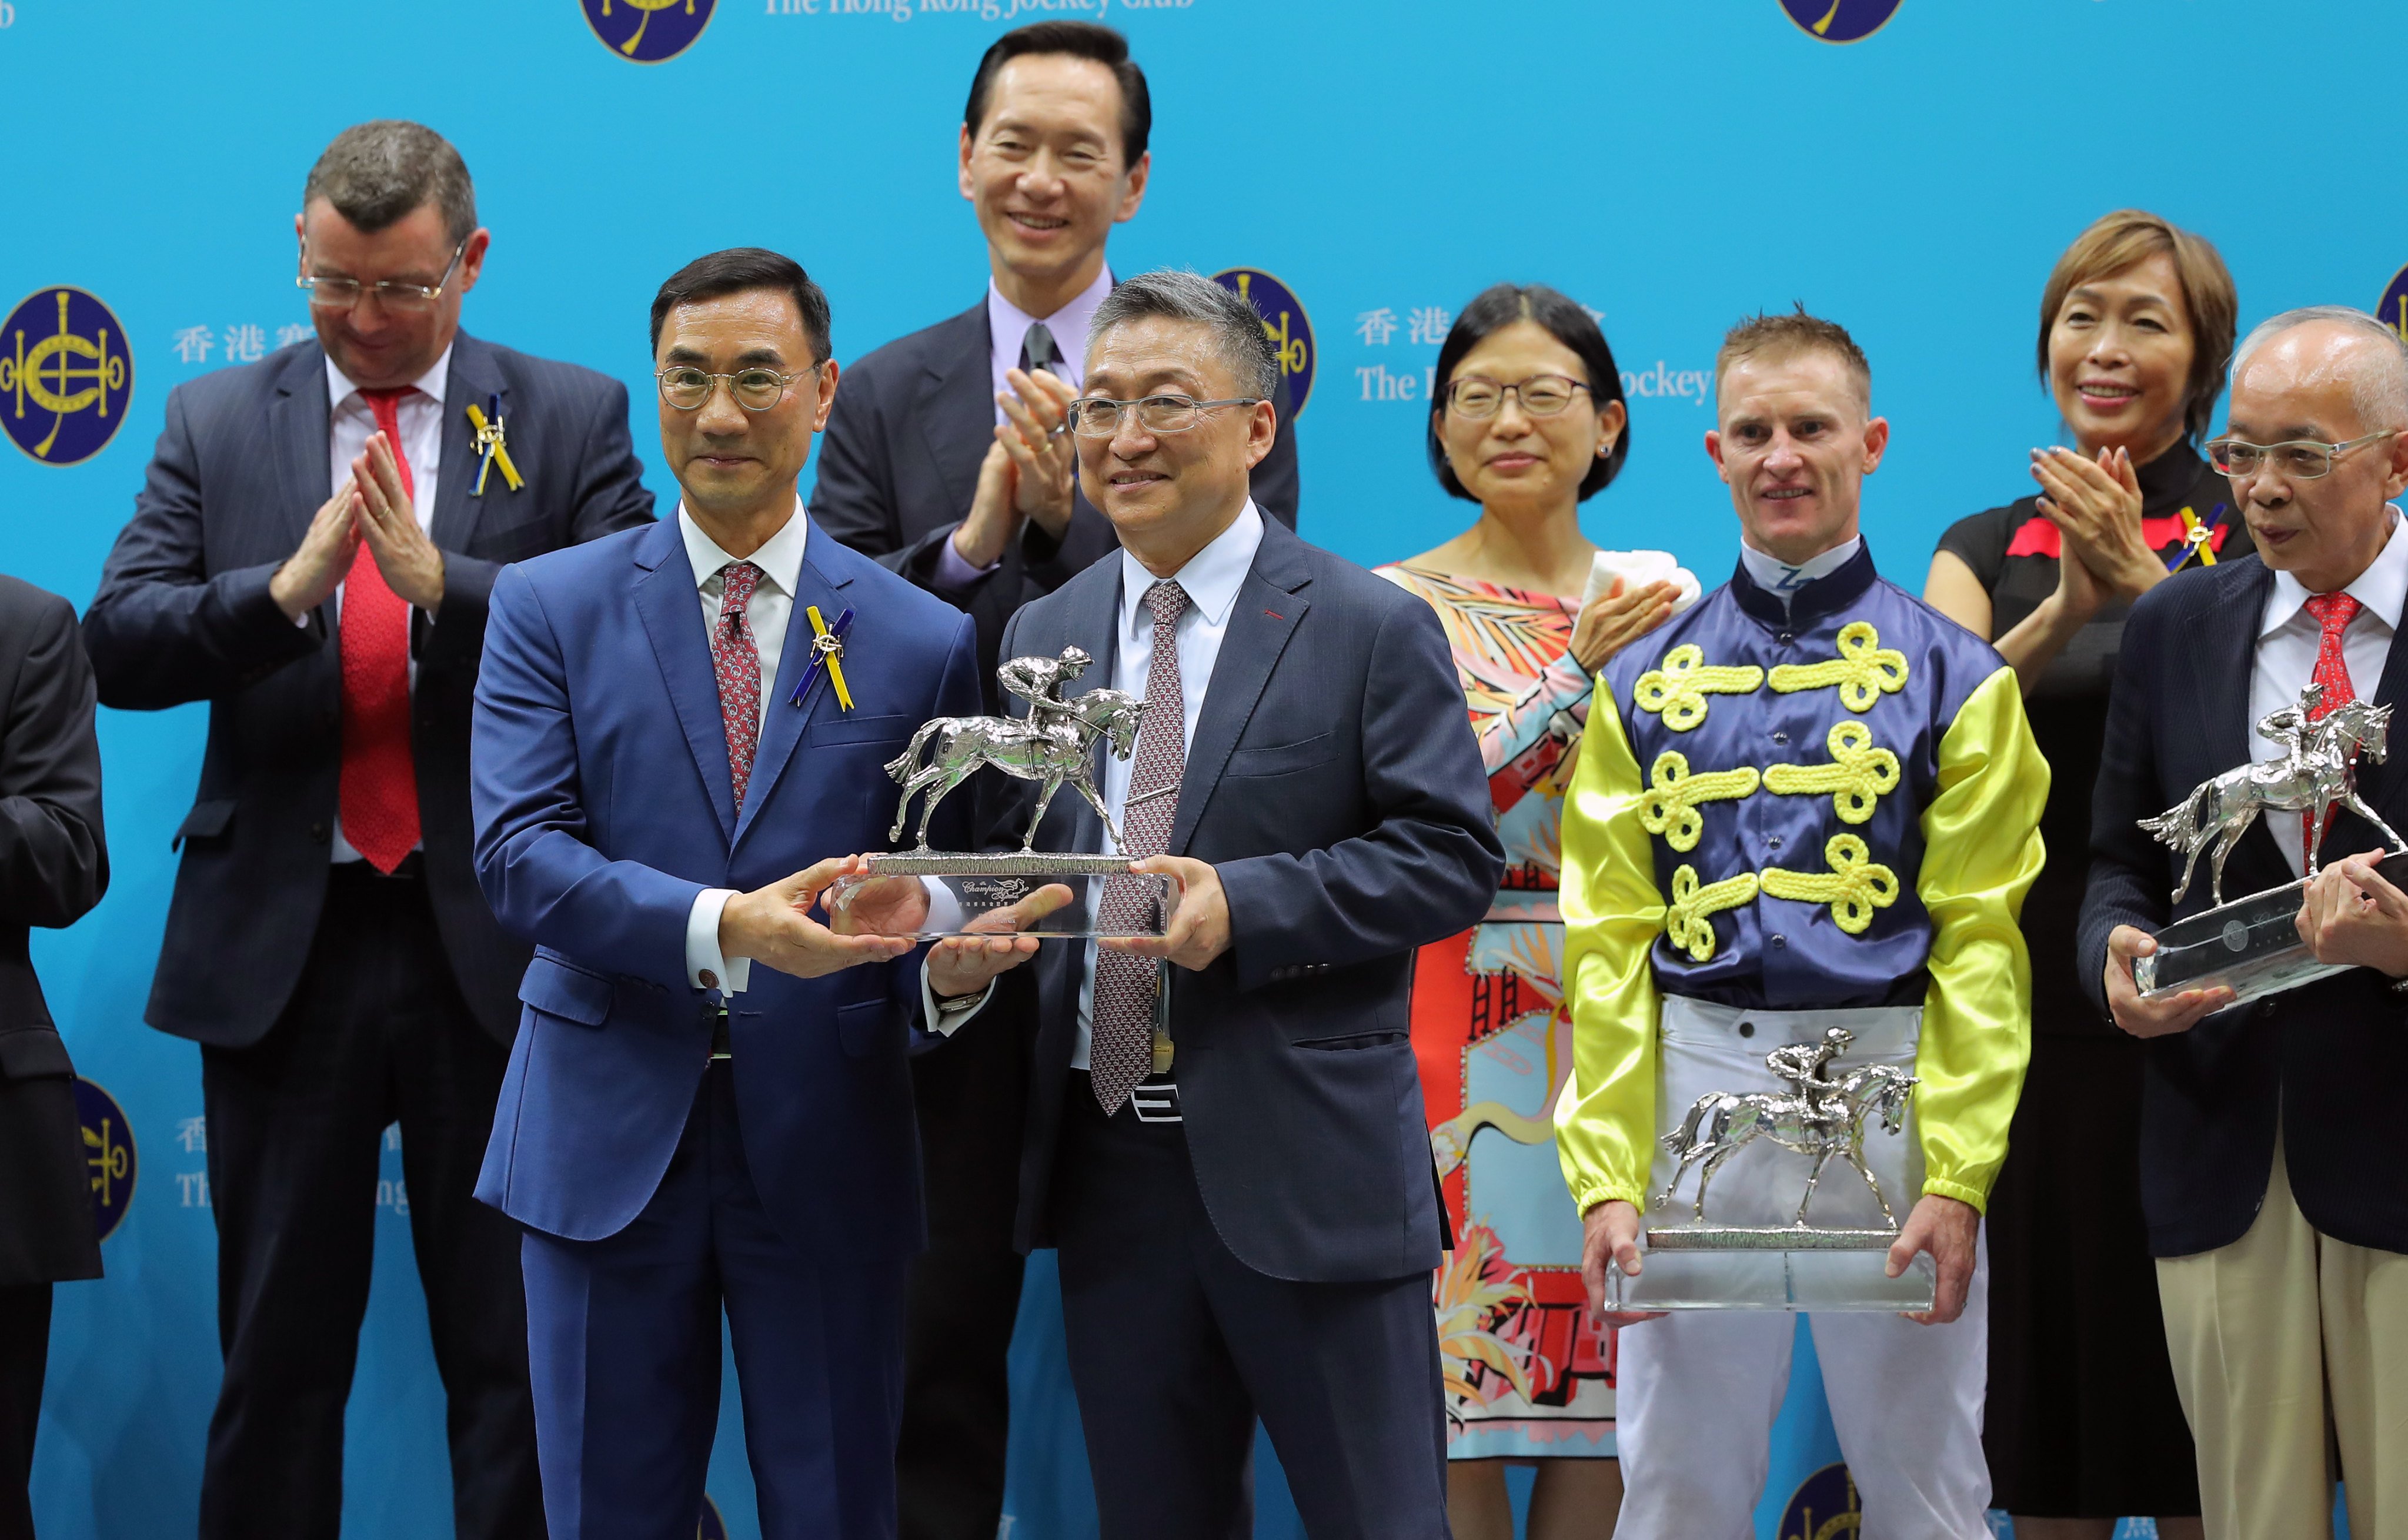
x=1763, y=1248
x=2250, y=946
x=1058, y=745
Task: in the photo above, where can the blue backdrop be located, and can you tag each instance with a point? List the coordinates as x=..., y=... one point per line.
x=1909, y=169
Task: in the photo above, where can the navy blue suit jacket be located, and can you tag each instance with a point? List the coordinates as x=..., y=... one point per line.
x=899, y=464
x=1335, y=784
x=2326, y=1059
x=604, y=806
x=184, y=614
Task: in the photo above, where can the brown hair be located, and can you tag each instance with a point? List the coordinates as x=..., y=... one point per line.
x=378, y=174
x=2126, y=238
x=1783, y=336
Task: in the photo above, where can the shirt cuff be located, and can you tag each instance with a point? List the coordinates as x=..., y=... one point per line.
x=954, y=570
x=705, y=968
x=946, y=1024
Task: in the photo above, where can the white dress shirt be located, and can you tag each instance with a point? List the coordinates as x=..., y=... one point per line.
x=350, y=422
x=780, y=561
x=2288, y=638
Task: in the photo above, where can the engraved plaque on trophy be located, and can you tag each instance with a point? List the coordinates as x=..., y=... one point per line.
x=2250, y=946
x=1030, y=891
x=1803, y=1219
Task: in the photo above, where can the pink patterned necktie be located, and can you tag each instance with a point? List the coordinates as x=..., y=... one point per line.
x=737, y=659
x=2333, y=612
x=1121, y=1050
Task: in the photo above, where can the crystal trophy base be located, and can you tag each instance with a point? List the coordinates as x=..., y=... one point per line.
x=1786, y=1268
x=1002, y=894
x=2249, y=946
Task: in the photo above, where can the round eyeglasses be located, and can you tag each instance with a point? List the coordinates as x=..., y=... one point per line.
x=688, y=389
x=1099, y=417
x=328, y=291
x=2297, y=459
x=1541, y=396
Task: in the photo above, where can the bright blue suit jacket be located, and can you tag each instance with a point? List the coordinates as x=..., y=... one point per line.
x=604, y=806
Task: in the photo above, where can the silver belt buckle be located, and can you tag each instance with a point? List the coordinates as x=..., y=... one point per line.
x=1155, y=1101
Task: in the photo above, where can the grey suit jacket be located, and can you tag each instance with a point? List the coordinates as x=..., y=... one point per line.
x=1335, y=785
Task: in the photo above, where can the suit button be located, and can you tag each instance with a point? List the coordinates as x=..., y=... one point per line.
x=318, y=832
x=710, y=979
x=1787, y=637
x=1748, y=1029
x=1781, y=737
x=1779, y=943
x=1773, y=841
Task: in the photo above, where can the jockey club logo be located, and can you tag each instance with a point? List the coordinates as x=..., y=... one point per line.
x=65, y=376
x=1842, y=21
x=713, y=1526
x=650, y=32
x=2392, y=309
x=108, y=1155
x=1284, y=322
x=1823, y=1508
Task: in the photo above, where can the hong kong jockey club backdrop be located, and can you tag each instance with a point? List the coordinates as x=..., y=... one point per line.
x=1910, y=167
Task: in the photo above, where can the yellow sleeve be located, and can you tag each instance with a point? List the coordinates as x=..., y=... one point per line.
x=1605, y=1119
x=1982, y=849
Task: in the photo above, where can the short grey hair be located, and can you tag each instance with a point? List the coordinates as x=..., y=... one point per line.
x=1175, y=295
x=377, y=173
x=2378, y=380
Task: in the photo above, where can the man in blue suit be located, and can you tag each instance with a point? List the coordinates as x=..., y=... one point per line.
x=1229, y=1150
x=668, y=769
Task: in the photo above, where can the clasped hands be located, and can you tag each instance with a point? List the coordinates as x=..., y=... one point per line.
x=2350, y=916
x=1029, y=471
x=774, y=925
x=2096, y=506
x=370, y=507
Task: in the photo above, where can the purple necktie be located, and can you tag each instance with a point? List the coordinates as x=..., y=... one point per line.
x=1121, y=1050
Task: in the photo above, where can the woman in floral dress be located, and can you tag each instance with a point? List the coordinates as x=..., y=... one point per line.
x=1530, y=421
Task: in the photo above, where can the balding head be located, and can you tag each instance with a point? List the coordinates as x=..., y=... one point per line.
x=2322, y=343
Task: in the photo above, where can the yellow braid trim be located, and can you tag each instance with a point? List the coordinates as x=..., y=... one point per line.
x=1858, y=778
x=1688, y=920
x=1855, y=887
x=1669, y=805
x=1677, y=692
x=1863, y=668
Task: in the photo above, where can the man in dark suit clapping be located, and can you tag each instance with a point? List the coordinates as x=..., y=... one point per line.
x=53, y=868
x=327, y=944
x=1225, y=1131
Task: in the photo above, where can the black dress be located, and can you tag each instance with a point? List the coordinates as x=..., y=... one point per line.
x=2083, y=1420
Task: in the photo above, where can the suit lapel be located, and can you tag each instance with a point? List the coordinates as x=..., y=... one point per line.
x=2222, y=668
x=667, y=601
x=957, y=404
x=472, y=379
x=297, y=421
x=2379, y=783
x=1094, y=626
x=781, y=725
x=1261, y=620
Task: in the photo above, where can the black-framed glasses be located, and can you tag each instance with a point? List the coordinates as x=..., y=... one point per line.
x=330, y=293
x=1541, y=396
x=1099, y=417
x=2297, y=459
x=755, y=389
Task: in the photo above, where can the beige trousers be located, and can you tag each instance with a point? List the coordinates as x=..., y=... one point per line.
x=2288, y=1346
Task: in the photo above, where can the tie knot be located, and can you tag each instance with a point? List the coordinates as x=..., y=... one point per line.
x=385, y=405
x=2333, y=611
x=1167, y=601
x=1036, y=349
x=740, y=580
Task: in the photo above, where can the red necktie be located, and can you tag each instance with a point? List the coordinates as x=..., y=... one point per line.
x=2333, y=612
x=379, y=780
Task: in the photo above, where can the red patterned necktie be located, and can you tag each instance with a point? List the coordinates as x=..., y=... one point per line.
x=737, y=659
x=2333, y=612
x=379, y=786
x=1120, y=1050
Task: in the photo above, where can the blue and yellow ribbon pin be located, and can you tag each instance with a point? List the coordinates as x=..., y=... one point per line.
x=491, y=447
x=828, y=649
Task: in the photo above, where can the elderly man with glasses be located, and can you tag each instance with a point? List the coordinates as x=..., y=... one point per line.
x=311, y=554
x=2269, y=1133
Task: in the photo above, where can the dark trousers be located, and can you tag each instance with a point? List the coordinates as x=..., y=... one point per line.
x=1177, y=1347
x=624, y=1343
x=377, y=1031
x=24, y=1353
x=972, y=1099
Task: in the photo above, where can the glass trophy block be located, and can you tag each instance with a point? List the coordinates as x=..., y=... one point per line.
x=2249, y=946
x=1030, y=893
x=1770, y=1269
